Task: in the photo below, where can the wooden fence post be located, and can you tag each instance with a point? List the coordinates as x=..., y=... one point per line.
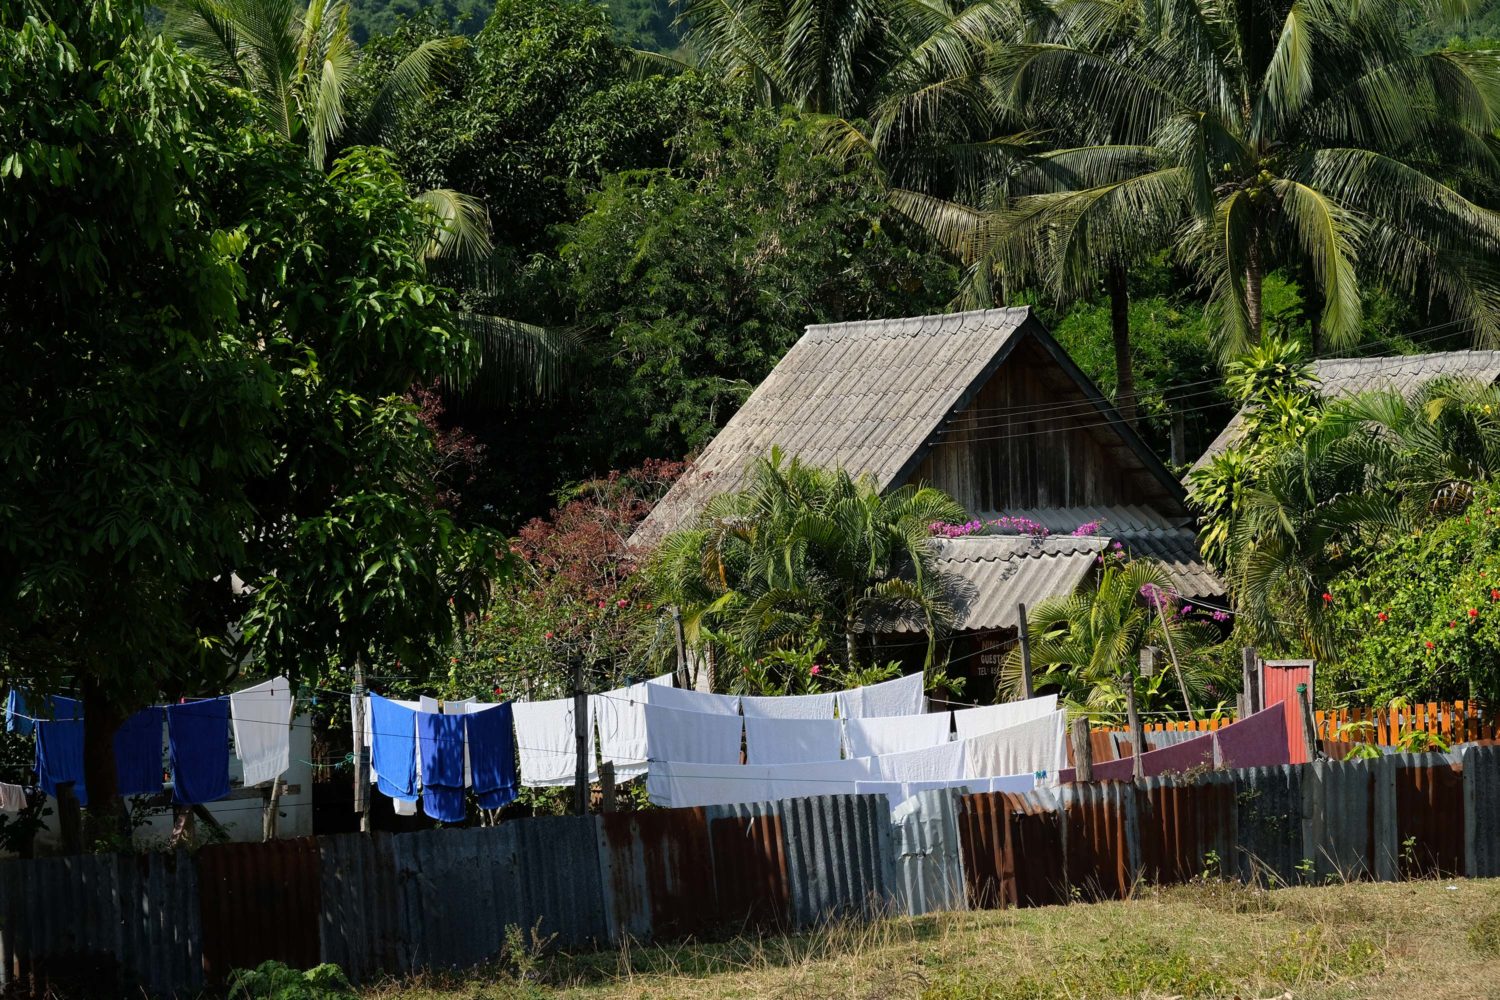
x=1083, y=750
x=361, y=752
x=1137, y=731
x=1309, y=728
x=69, y=823
x=580, y=741
x=1250, y=678
x=607, y=787
x=273, y=810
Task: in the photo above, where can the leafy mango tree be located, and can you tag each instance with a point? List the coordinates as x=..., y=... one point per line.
x=210, y=457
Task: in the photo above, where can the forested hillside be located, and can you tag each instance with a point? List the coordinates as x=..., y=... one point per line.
x=641, y=24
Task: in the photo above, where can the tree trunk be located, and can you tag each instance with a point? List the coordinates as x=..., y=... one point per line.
x=1119, y=321
x=851, y=646
x=1254, y=276
x=106, y=817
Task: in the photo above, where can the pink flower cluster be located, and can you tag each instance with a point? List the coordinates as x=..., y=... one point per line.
x=1000, y=526
x=1088, y=528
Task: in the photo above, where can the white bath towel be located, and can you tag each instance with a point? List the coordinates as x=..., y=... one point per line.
x=691, y=737
x=621, y=717
x=895, y=734
x=902, y=696
x=678, y=785
x=12, y=798
x=1027, y=748
x=548, y=745
x=791, y=741
x=833, y=777
x=796, y=706
x=970, y=722
x=262, y=717
x=940, y=763
x=684, y=700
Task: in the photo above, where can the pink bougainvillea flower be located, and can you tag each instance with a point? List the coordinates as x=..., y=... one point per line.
x=622, y=603
x=549, y=635
x=816, y=670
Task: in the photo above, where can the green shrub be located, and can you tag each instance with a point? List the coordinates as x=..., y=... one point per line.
x=275, y=981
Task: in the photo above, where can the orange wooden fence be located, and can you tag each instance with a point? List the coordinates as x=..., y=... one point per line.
x=1456, y=722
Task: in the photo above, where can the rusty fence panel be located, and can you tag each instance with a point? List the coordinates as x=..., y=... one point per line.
x=1101, y=835
x=1186, y=827
x=751, y=885
x=1013, y=849
x=458, y=891
x=100, y=925
x=1339, y=830
x=1429, y=816
x=360, y=925
x=1268, y=825
x=557, y=862
x=657, y=873
x=929, y=869
x=259, y=902
x=1481, y=767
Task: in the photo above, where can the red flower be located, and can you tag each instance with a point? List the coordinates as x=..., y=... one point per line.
x=452, y=659
x=1429, y=644
x=601, y=604
x=1383, y=616
x=622, y=603
x=549, y=635
x=1453, y=624
x=1495, y=595
x=499, y=691
x=815, y=670
x=1473, y=612
x=1327, y=597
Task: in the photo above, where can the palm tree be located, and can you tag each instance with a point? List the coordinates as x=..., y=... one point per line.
x=1088, y=644
x=805, y=554
x=301, y=63
x=1252, y=133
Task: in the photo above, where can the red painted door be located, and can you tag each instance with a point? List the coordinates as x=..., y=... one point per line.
x=1278, y=683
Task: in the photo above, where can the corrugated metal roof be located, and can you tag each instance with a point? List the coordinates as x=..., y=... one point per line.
x=989, y=574
x=865, y=396
x=1405, y=373
x=1144, y=532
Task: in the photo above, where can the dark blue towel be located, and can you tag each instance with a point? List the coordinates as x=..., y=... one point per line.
x=198, y=738
x=393, y=748
x=138, y=753
x=16, y=713
x=440, y=740
x=492, y=756
x=59, y=748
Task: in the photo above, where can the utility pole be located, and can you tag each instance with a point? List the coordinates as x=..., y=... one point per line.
x=1250, y=671
x=361, y=752
x=1176, y=667
x=581, y=741
x=1083, y=751
x=1025, y=652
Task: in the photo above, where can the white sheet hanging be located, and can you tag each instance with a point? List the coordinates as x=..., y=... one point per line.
x=684, y=700
x=1027, y=748
x=791, y=741
x=548, y=745
x=262, y=717
x=691, y=737
x=940, y=763
x=895, y=734
x=796, y=706
x=621, y=717
x=834, y=777
x=902, y=696
x=970, y=722
x=679, y=785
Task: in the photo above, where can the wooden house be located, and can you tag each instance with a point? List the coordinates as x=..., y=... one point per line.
x=988, y=407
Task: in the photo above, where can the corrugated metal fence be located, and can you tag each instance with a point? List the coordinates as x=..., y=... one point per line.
x=392, y=904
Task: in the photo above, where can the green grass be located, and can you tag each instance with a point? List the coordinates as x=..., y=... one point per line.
x=1412, y=941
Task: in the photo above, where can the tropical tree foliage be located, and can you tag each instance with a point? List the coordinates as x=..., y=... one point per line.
x=1088, y=645
x=804, y=555
x=209, y=453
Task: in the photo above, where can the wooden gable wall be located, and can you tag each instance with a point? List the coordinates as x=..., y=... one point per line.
x=1031, y=439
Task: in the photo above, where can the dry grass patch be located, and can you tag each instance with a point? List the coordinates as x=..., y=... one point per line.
x=1346, y=942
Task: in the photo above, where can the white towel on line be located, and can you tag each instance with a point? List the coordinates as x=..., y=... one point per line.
x=691, y=737
x=463, y=707
x=832, y=777
x=548, y=744
x=12, y=798
x=970, y=722
x=791, y=741
x=895, y=734
x=262, y=717
x=684, y=700
x=621, y=717
x=678, y=785
x=940, y=763
x=796, y=706
x=902, y=696
x=1030, y=747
